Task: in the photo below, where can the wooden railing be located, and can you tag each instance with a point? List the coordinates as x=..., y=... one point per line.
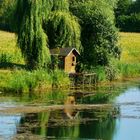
x=83, y=79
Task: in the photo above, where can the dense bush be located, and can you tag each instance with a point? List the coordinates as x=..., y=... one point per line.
x=128, y=15
x=99, y=35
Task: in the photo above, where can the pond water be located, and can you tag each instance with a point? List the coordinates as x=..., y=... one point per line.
x=118, y=118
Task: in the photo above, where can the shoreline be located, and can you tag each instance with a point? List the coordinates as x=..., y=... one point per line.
x=48, y=88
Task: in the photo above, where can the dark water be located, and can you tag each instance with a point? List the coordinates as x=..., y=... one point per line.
x=120, y=122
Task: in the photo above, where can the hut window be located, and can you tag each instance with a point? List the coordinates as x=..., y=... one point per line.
x=73, y=58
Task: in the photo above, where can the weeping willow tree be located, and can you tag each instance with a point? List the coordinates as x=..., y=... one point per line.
x=31, y=37
x=62, y=27
x=44, y=24
x=63, y=30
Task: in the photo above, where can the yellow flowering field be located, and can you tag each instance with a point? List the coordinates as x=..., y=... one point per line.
x=130, y=46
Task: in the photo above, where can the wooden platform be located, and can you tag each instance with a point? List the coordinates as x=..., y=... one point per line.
x=83, y=79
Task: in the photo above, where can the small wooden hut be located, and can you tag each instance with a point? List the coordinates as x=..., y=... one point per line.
x=66, y=58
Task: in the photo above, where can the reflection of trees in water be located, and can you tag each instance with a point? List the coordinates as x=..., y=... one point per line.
x=56, y=123
x=99, y=130
x=87, y=127
x=95, y=124
x=103, y=94
x=65, y=131
x=34, y=123
x=43, y=119
x=50, y=97
x=49, y=124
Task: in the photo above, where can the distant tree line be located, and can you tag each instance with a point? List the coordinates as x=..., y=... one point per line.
x=128, y=15
x=6, y=14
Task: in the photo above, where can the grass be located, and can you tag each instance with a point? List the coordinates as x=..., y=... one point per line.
x=60, y=79
x=129, y=64
x=9, y=52
x=21, y=81
x=130, y=45
x=24, y=81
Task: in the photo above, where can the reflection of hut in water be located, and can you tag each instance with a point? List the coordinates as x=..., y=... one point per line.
x=68, y=110
x=65, y=58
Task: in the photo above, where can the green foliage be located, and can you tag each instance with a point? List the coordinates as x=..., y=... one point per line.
x=5, y=58
x=8, y=60
x=60, y=79
x=99, y=35
x=28, y=81
x=17, y=83
x=112, y=71
x=129, y=23
x=7, y=8
x=31, y=37
x=123, y=7
x=128, y=15
x=101, y=74
x=62, y=5
x=111, y=3
x=101, y=98
x=63, y=30
x=39, y=79
x=135, y=7
x=128, y=65
x=128, y=70
x=8, y=49
x=24, y=81
x=61, y=26
x=105, y=73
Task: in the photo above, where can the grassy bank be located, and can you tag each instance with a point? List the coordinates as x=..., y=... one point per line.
x=29, y=81
x=14, y=77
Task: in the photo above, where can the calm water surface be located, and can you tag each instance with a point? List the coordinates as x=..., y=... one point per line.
x=70, y=124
